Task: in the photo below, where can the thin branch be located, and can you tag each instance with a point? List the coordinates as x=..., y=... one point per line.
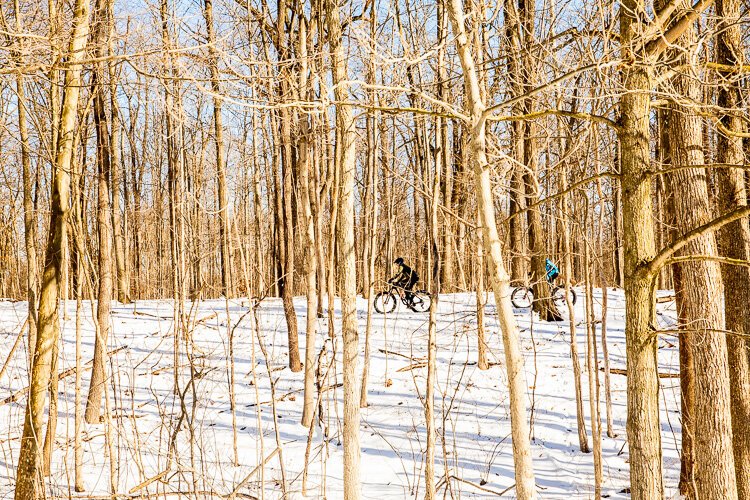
x=713, y=258
x=652, y=266
x=557, y=112
x=727, y=68
x=571, y=188
x=560, y=79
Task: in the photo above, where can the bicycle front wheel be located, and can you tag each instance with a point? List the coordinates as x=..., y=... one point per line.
x=522, y=297
x=421, y=302
x=384, y=302
x=558, y=295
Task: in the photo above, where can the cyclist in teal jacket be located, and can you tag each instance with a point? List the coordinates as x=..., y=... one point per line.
x=552, y=270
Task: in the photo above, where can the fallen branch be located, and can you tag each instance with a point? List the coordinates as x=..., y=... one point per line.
x=475, y=485
x=70, y=371
x=242, y=483
x=414, y=366
x=386, y=351
x=148, y=481
x=620, y=371
x=205, y=318
x=162, y=494
x=280, y=398
x=665, y=298
x=166, y=318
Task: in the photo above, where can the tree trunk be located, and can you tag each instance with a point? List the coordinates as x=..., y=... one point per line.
x=311, y=262
x=371, y=207
x=28, y=484
x=524, y=471
x=643, y=429
x=583, y=442
x=429, y=408
x=543, y=303
x=592, y=362
x=701, y=284
x=346, y=129
x=123, y=280
x=482, y=362
x=735, y=243
x=221, y=175
x=687, y=366
x=29, y=223
x=104, y=220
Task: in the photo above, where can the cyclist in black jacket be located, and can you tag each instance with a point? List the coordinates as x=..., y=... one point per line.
x=406, y=278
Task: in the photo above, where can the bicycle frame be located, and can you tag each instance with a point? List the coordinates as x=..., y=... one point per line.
x=400, y=291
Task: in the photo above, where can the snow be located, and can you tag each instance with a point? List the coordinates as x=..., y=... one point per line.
x=471, y=405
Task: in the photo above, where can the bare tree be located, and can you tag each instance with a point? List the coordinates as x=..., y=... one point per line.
x=28, y=484
x=346, y=147
x=644, y=435
x=734, y=238
x=498, y=276
x=104, y=215
x=221, y=175
x=311, y=262
x=29, y=223
x=701, y=283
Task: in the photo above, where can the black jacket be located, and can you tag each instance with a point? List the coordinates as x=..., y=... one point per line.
x=405, y=277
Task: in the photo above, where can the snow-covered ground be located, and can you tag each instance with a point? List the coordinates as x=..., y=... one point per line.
x=471, y=405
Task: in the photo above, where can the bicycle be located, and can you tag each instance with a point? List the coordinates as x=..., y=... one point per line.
x=523, y=297
x=385, y=302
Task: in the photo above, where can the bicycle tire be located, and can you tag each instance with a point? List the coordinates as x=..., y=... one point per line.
x=522, y=297
x=421, y=301
x=384, y=302
x=558, y=295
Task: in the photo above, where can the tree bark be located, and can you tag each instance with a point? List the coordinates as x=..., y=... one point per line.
x=221, y=175
x=123, y=279
x=644, y=432
x=311, y=262
x=29, y=224
x=104, y=219
x=346, y=130
x=701, y=286
x=28, y=485
x=371, y=207
x=735, y=242
x=524, y=471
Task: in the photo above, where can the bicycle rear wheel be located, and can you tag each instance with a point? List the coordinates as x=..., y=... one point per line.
x=522, y=297
x=384, y=302
x=422, y=301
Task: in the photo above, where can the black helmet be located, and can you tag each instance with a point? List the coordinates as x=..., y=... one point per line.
x=399, y=261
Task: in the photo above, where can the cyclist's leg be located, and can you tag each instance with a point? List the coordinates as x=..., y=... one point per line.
x=409, y=288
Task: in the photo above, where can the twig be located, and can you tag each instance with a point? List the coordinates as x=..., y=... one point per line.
x=13, y=349
x=70, y=371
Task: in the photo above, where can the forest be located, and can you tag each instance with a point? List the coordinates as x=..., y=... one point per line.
x=202, y=202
